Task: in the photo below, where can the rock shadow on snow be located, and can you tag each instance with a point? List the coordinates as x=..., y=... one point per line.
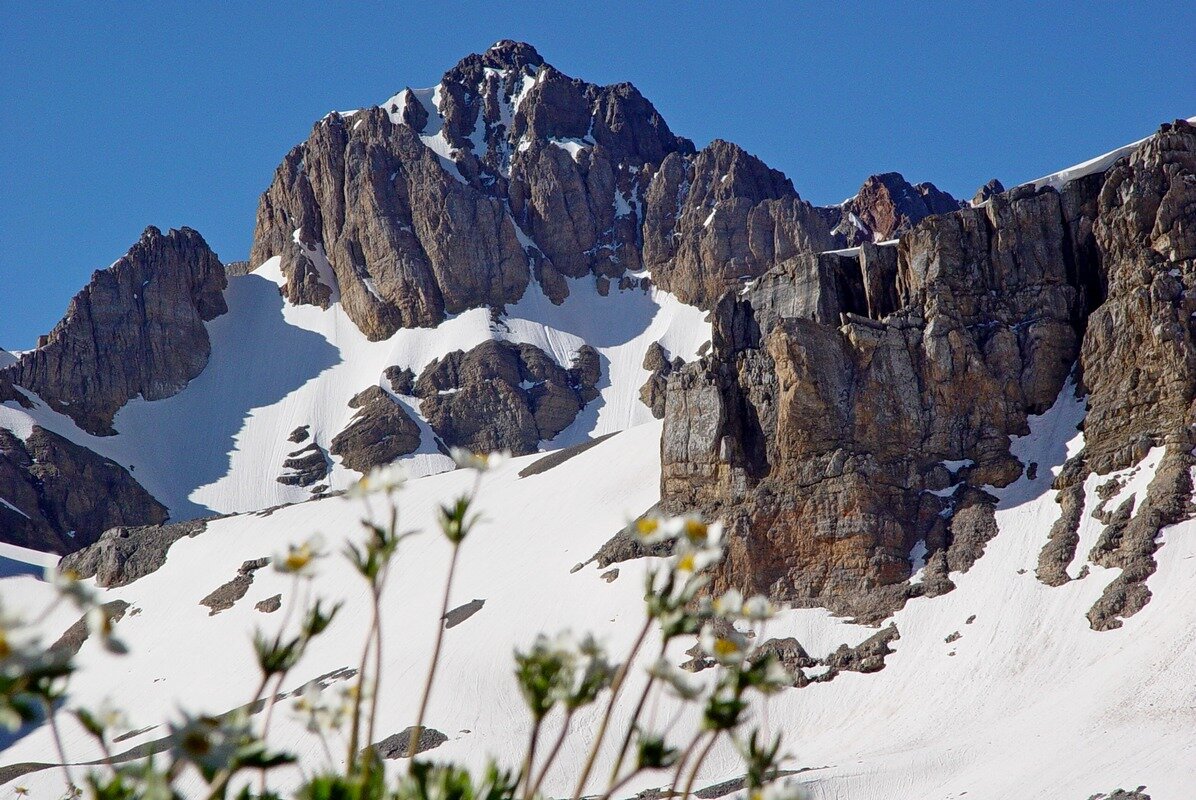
x=258, y=358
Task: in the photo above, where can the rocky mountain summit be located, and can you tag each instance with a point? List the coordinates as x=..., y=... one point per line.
x=868, y=365
x=888, y=205
x=508, y=170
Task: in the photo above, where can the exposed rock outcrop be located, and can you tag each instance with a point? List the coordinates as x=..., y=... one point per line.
x=839, y=386
x=60, y=496
x=505, y=396
x=380, y=432
x=886, y=206
x=652, y=393
x=722, y=216
x=398, y=745
x=226, y=595
x=122, y=555
x=136, y=329
x=305, y=467
x=987, y=191
x=455, y=197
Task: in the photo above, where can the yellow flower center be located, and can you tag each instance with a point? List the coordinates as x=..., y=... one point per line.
x=646, y=527
x=725, y=647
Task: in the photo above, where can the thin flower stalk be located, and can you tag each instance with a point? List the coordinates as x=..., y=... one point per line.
x=423, y=703
x=615, y=688
x=552, y=754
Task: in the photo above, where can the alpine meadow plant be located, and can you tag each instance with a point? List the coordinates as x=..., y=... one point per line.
x=565, y=674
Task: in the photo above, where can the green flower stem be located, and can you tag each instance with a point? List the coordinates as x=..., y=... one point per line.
x=50, y=718
x=552, y=754
x=616, y=685
x=423, y=703
x=530, y=758
x=681, y=762
x=376, y=630
x=639, y=708
x=693, y=775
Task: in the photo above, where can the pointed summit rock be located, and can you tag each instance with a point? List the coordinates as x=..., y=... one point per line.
x=508, y=171
x=136, y=329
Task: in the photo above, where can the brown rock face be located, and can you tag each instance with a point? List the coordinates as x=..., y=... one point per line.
x=455, y=197
x=504, y=396
x=853, y=406
x=653, y=392
x=380, y=432
x=61, y=497
x=888, y=205
x=136, y=329
x=721, y=216
x=1139, y=354
x=839, y=385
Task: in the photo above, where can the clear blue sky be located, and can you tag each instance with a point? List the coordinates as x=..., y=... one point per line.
x=118, y=116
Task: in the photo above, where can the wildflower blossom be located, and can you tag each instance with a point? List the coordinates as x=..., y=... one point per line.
x=758, y=609
x=482, y=462
x=385, y=479
x=728, y=647
x=299, y=559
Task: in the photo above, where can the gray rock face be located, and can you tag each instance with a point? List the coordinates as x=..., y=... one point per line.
x=226, y=595
x=1139, y=353
x=122, y=555
x=652, y=393
x=305, y=467
x=838, y=385
x=269, y=605
x=72, y=639
x=380, y=432
x=987, y=191
x=61, y=497
x=398, y=745
x=853, y=406
x=504, y=396
x=402, y=381
x=136, y=329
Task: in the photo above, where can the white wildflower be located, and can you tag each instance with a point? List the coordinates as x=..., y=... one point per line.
x=482, y=462
x=758, y=609
x=299, y=559
x=729, y=647
x=386, y=479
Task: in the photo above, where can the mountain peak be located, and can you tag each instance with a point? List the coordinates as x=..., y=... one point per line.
x=505, y=55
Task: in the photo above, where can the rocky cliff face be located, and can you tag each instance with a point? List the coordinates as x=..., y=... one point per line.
x=505, y=396
x=1139, y=366
x=507, y=171
x=853, y=407
x=136, y=329
x=888, y=205
x=56, y=495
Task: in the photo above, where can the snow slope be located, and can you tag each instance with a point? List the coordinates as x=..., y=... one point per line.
x=1027, y=702
x=217, y=446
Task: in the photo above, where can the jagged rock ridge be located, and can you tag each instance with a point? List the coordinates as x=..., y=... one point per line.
x=836, y=431
x=457, y=196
